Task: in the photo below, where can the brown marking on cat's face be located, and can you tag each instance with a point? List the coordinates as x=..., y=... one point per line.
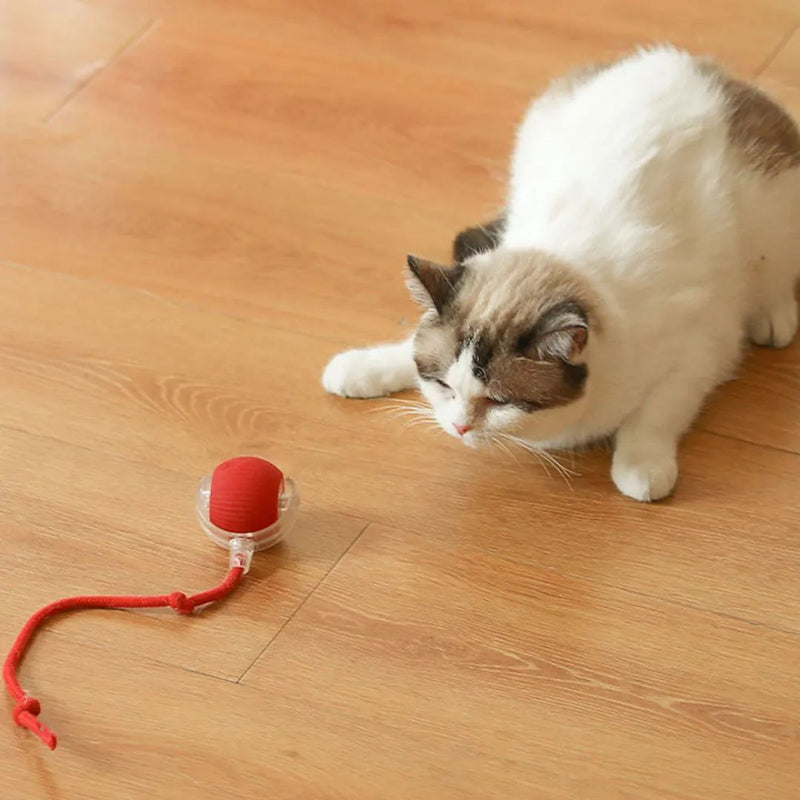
x=524, y=318
x=435, y=345
x=758, y=127
x=535, y=385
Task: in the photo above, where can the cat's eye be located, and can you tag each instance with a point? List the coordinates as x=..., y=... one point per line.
x=497, y=401
x=443, y=384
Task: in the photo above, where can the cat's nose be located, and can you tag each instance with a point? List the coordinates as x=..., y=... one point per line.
x=462, y=429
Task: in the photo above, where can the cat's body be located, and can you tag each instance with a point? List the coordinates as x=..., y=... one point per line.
x=651, y=226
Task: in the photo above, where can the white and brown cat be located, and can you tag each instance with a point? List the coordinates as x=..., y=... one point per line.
x=652, y=226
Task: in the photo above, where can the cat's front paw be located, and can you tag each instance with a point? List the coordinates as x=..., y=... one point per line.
x=644, y=476
x=776, y=328
x=359, y=373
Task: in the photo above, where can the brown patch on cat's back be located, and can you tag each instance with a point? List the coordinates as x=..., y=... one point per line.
x=765, y=134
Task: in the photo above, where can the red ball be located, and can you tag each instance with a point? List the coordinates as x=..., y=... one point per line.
x=245, y=493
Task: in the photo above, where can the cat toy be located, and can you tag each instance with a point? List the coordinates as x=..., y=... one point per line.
x=245, y=505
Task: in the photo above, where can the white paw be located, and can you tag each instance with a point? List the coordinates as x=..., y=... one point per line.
x=358, y=373
x=776, y=328
x=644, y=478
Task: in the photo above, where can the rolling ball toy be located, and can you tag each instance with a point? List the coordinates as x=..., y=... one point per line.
x=245, y=505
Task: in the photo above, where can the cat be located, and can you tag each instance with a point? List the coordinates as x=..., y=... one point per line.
x=651, y=227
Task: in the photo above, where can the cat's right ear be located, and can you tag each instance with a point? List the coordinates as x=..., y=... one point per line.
x=432, y=285
x=561, y=333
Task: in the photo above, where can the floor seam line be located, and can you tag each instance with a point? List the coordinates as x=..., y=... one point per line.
x=303, y=602
x=133, y=40
x=776, y=51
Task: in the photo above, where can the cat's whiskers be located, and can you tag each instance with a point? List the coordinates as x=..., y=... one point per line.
x=504, y=447
x=413, y=414
x=544, y=458
x=391, y=405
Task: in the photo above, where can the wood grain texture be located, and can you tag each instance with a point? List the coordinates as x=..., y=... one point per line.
x=501, y=42
x=457, y=658
x=456, y=675
x=183, y=244
x=217, y=234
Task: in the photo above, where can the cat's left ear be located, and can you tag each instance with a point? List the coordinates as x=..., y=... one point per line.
x=561, y=333
x=433, y=285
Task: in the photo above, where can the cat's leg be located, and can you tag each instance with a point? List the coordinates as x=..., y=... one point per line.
x=773, y=318
x=645, y=464
x=371, y=371
x=773, y=251
x=774, y=325
x=477, y=239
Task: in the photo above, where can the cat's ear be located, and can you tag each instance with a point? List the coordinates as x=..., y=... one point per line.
x=561, y=334
x=433, y=285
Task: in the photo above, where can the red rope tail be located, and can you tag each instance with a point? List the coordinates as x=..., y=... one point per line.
x=27, y=708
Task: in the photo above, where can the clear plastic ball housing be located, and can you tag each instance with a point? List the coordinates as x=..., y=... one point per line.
x=242, y=545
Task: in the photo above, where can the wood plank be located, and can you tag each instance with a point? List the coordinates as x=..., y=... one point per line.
x=441, y=672
x=133, y=375
x=239, y=98
x=761, y=404
x=75, y=521
x=494, y=41
x=782, y=75
x=262, y=94
x=50, y=48
x=425, y=671
x=221, y=236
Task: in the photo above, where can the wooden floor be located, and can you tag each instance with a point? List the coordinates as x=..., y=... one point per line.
x=200, y=202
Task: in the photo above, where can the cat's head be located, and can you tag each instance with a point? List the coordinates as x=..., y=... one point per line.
x=502, y=346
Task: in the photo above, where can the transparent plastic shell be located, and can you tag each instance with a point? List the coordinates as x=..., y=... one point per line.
x=241, y=546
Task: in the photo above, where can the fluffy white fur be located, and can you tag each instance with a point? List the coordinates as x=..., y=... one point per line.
x=631, y=179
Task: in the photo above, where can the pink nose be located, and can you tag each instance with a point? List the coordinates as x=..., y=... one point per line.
x=462, y=429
